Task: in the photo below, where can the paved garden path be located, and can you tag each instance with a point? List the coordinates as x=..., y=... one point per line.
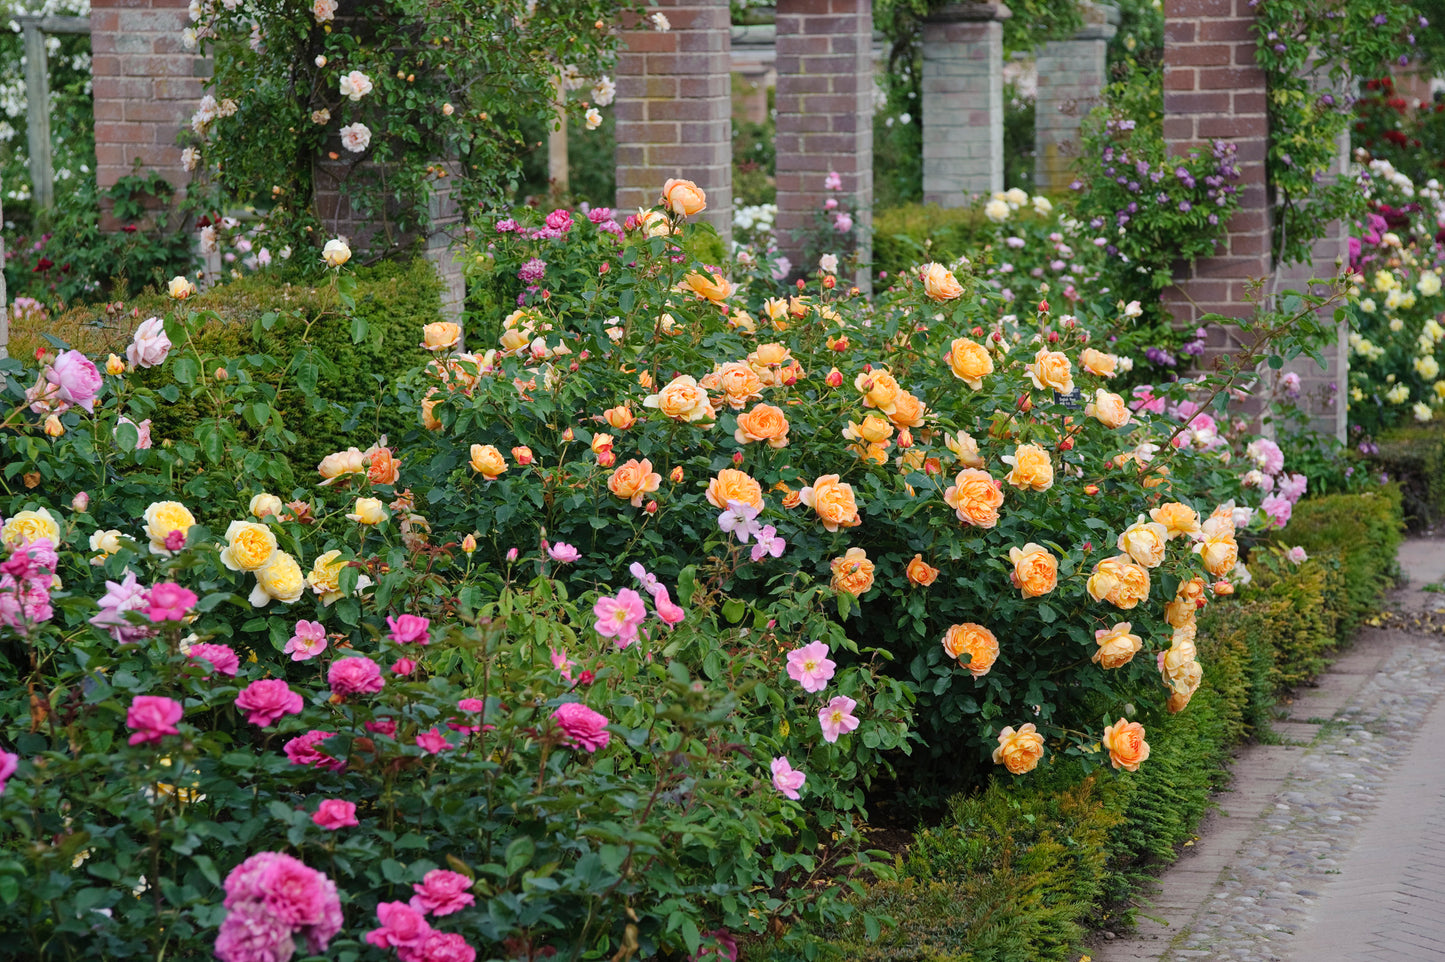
x=1330, y=846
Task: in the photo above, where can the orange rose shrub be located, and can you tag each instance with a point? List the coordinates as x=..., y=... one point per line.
x=932, y=457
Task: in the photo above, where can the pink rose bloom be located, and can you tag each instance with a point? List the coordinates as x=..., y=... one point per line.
x=581, y=726
x=1265, y=455
x=308, y=640
x=667, y=611
x=1278, y=508
x=333, y=814
x=432, y=741
x=250, y=933
x=810, y=666
x=294, y=893
x=142, y=432
x=168, y=601
x=563, y=552
x=220, y=657
x=9, y=761
x=273, y=897
x=382, y=726
x=837, y=718
x=355, y=676
x=1144, y=400
x=562, y=663
x=560, y=220
x=75, y=378
x=403, y=667
x=153, y=717
x=1293, y=487
x=473, y=705
x=150, y=344
x=620, y=617
x=266, y=700
x=787, y=779
x=401, y=926
x=409, y=629
x=441, y=892
x=440, y=947
x=1297, y=555
x=302, y=751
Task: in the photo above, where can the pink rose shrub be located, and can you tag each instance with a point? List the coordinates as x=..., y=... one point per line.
x=274, y=899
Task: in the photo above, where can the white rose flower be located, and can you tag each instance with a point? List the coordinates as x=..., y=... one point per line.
x=355, y=85
x=355, y=137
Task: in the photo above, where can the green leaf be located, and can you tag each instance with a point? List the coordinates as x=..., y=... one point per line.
x=733, y=610
x=519, y=853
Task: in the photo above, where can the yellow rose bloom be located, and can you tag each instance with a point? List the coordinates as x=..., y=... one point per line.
x=969, y=361
x=488, y=461
x=1019, y=751
x=31, y=525
x=325, y=577
x=1036, y=570
x=265, y=504
x=852, y=573
x=973, y=640
x=834, y=502
x=1051, y=369
x=1126, y=745
x=734, y=485
x=368, y=511
x=682, y=399
x=1178, y=519
x=163, y=517
x=1032, y=468
x=105, y=543
x=1119, y=581
x=249, y=546
x=1117, y=646
x=1144, y=541
x=939, y=283
x=280, y=580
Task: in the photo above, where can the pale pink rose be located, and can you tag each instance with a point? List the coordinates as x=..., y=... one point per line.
x=355, y=137
x=76, y=378
x=150, y=344
x=787, y=779
x=810, y=666
x=837, y=717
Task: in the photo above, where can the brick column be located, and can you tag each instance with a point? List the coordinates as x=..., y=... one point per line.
x=825, y=119
x=146, y=85
x=1071, y=80
x=963, y=102
x=1213, y=88
x=674, y=108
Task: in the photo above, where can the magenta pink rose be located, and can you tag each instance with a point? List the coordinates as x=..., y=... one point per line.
x=440, y=947
x=221, y=658
x=302, y=751
x=432, y=741
x=9, y=761
x=168, y=601
x=266, y=700
x=333, y=814
x=581, y=726
x=409, y=629
x=355, y=676
x=75, y=378
x=153, y=717
x=401, y=926
x=441, y=892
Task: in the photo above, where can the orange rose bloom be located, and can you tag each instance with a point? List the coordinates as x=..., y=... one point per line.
x=1177, y=702
x=619, y=418
x=683, y=197
x=1019, y=751
x=1117, y=646
x=1032, y=469
x=634, y=480
x=1144, y=541
x=737, y=381
x=879, y=388
x=734, y=485
x=852, y=573
x=908, y=411
x=383, y=468
x=1218, y=550
x=429, y=420
x=1126, y=744
x=763, y=423
x=969, y=361
x=1109, y=409
x=441, y=336
x=977, y=642
x=873, y=430
x=1119, y=581
x=1051, y=369
x=920, y=572
x=1036, y=571
x=975, y=497
x=1177, y=518
x=683, y=399
x=965, y=448
x=1097, y=362
x=488, y=461
x=834, y=502
x=939, y=283
x=1179, y=613
x=710, y=287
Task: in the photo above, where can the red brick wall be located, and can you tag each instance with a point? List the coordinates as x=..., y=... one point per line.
x=825, y=116
x=146, y=84
x=1214, y=89
x=674, y=108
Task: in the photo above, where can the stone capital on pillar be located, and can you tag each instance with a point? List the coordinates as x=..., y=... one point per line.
x=824, y=109
x=674, y=108
x=963, y=102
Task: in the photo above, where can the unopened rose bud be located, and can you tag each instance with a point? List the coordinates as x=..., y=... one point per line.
x=567, y=435
x=584, y=355
x=1053, y=337
x=522, y=455
x=737, y=457
x=469, y=543
x=997, y=336
x=1067, y=444
x=573, y=367
x=80, y=502
x=1088, y=546
x=976, y=332
x=830, y=282
x=868, y=369
x=53, y=427
x=606, y=459
x=801, y=284
x=448, y=110
x=835, y=378
x=1091, y=489
x=1070, y=323
x=222, y=374
x=676, y=475
x=114, y=366
x=511, y=554
x=1043, y=307
x=1026, y=404
x=651, y=507
x=905, y=438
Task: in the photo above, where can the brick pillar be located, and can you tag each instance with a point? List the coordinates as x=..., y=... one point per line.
x=1213, y=88
x=674, y=108
x=963, y=102
x=1071, y=81
x=146, y=85
x=825, y=119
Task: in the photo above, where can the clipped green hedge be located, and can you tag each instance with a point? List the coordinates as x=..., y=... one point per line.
x=1018, y=872
x=914, y=233
x=1413, y=456
x=396, y=299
